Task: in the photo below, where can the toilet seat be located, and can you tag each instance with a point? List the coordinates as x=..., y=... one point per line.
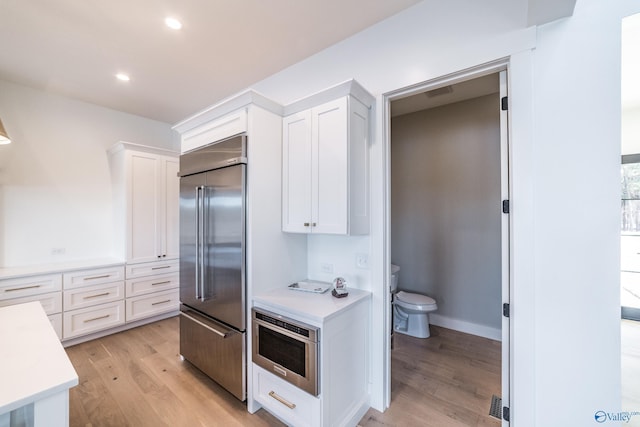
x=416, y=302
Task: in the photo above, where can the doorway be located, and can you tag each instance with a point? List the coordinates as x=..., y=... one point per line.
x=630, y=209
x=461, y=214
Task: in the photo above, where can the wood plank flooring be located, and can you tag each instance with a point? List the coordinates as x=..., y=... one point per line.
x=445, y=380
x=136, y=378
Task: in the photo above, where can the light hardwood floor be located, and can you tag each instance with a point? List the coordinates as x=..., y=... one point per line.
x=136, y=378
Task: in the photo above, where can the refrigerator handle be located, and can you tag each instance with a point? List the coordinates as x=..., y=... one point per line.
x=204, y=232
x=199, y=236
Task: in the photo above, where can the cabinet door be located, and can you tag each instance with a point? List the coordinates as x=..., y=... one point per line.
x=171, y=209
x=144, y=192
x=329, y=145
x=296, y=173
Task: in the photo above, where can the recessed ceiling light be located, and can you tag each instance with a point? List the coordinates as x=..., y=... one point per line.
x=173, y=23
x=122, y=77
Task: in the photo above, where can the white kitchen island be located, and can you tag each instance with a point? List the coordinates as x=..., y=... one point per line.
x=35, y=372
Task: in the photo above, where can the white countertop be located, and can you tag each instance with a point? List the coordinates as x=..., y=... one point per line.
x=33, y=364
x=308, y=305
x=30, y=270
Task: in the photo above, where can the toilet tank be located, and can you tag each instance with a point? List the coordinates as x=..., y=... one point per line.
x=395, y=270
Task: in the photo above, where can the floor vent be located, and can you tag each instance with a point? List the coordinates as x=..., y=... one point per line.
x=496, y=407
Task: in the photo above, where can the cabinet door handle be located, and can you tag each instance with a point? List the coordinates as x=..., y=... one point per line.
x=161, y=302
x=282, y=400
x=97, y=295
x=97, y=277
x=97, y=318
x=22, y=289
x=161, y=283
x=306, y=224
x=313, y=224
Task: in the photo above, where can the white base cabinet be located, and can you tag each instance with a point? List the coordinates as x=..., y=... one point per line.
x=286, y=401
x=343, y=360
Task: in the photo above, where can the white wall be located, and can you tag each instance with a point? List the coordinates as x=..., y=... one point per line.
x=565, y=119
x=446, y=209
x=55, y=185
x=631, y=131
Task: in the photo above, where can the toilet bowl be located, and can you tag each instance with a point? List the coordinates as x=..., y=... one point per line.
x=411, y=310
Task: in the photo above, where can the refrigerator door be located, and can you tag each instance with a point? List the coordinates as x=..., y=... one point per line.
x=212, y=269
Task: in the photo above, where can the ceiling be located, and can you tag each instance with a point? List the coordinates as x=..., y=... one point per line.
x=75, y=48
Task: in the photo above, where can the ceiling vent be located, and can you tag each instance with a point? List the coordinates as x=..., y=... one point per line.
x=439, y=92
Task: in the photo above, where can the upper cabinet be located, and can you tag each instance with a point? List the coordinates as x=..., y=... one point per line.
x=147, y=202
x=325, y=168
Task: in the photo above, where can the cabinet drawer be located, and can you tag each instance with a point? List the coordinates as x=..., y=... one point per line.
x=146, y=285
x=56, y=322
x=32, y=285
x=152, y=268
x=284, y=400
x=51, y=302
x=152, y=304
x=93, y=295
x=92, y=319
x=94, y=276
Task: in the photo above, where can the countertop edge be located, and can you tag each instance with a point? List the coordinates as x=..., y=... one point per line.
x=36, y=270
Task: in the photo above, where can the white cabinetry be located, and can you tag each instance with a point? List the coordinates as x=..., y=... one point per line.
x=45, y=288
x=146, y=189
x=152, y=289
x=326, y=169
x=343, y=360
x=93, y=300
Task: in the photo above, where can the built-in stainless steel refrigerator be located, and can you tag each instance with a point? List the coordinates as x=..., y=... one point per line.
x=212, y=261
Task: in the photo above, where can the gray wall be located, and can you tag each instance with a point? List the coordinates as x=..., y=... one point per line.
x=445, y=214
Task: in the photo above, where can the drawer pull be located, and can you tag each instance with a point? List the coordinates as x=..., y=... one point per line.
x=104, y=294
x=97, y=277
x=282, y=400
x=23, y=288
x=158, y=268
x=161, y=302
x=306, y=224
x=161, y=283
x=97, y=318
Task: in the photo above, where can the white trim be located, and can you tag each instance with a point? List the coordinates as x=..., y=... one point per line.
x=466, y=327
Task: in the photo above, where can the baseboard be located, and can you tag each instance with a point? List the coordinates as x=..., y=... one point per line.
x=466, y=327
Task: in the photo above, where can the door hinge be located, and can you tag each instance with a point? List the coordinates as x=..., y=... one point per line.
x=505, y=206
x=506, y=309
x=504, y=103
x=505, y=413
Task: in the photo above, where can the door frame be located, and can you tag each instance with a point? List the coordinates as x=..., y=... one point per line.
x=495, y=67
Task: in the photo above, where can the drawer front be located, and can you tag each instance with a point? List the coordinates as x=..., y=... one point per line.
x=87, y=320
x=146, y=285
x=94, y=276
x=288, y=402
x=89, y=296
x=32, y=285
x=56, y=322
x=51, y=302
x=152, y=268
x=150, y=305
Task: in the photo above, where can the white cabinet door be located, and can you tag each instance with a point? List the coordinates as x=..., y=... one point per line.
x=329, y=144
x=296, y=170
x=325, y=169
x=152, y=203
x=171, y=207
x=143, y=239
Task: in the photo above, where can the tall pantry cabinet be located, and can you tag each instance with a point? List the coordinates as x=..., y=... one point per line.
x=146, y=199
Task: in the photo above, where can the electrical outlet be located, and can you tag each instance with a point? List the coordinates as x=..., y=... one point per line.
x=326, y=267
x=362, y=261
x=58, y=251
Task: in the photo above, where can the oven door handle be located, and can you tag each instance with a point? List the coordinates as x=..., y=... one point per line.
x=204, y=325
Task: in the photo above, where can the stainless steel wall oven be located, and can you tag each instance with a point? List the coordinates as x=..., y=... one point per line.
x=287, y=348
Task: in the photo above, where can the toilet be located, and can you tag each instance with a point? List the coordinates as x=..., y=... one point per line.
x=410, y=310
